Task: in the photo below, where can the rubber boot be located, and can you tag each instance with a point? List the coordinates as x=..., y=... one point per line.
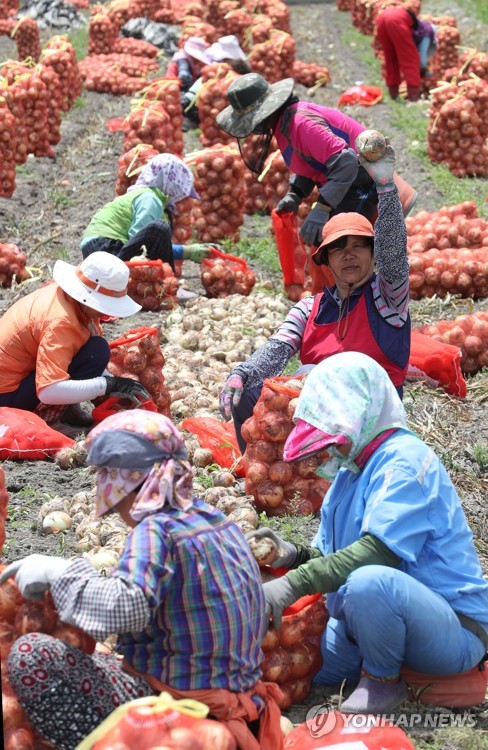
x=393, y=91
x=413, y=93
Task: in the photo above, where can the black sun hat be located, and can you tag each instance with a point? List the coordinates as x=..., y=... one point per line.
x=252, y=100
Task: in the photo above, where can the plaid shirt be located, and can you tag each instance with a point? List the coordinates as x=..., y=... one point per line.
x=202, y=619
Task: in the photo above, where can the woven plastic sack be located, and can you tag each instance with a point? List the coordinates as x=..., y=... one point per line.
x=454, y=690
x=220, y=438
x=26, y=437
x=331, y=729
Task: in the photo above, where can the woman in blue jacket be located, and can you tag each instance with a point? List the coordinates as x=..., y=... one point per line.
x=394, y=551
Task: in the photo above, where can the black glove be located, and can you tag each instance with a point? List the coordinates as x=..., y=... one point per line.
x=126, y=388
x=289, y=204
x=185, y=74
x=311, y=231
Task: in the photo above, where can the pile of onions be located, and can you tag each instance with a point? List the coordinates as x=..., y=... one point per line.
x=167, y=91
x=279, y=488
x=8, y=8
x=25, y=33
x=462, y=271
x=9, y=141
x=310, y=74
x=12, y=264
x=221, y=277
x=182, y=229
x=102, y=33
x=115, y=74
x=137, y=47
x=274, y=58
x=218, y=173
x=3, y=508
x=212, y=99
x=140, y=357
x=130, y=165
x=197, y=27
x=17, y=617
x=292, y=654
x=148, y=122
x=27, y=87
x=451, y=226
x=121, y=11
x=60, y=54
x=152, y=285
x=458, y=127
x=469, y=333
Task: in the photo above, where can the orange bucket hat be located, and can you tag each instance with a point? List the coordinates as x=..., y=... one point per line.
x=342, y=225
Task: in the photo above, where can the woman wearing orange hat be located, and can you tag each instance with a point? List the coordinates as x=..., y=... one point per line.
x=364, y=311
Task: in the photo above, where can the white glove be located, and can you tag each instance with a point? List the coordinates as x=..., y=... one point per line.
x=35, y=574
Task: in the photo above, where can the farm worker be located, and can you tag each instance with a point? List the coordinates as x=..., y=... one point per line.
x=407, y=43
x=51, y=344
x=187, y=62
x=365, y=310
x=185, y=599
x=224, y=50
x=142, y=218
x=316, y=142
x=393, y=552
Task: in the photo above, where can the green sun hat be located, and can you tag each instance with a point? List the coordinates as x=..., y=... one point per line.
x=252, y=100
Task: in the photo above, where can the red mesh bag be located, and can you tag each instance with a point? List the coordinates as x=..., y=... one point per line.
x=439, y=361
x=466, y=333
x=152, y=284
x=224, y=274
x=220, y=438
x=131, y=164
x=279, y=487
x=366, y=96
x=137, y=355
x=25, y=436
x=292, y=654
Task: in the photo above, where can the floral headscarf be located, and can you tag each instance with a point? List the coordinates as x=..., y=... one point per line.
x=169, y=174
x=134, y=447
x=348, y=395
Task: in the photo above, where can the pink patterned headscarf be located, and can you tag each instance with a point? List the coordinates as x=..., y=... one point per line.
x=169, y=174
x=137, y=447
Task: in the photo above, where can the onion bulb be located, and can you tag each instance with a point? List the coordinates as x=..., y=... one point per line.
x=371, y=145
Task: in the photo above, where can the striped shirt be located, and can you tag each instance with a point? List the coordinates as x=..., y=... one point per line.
x=205, y=608
x=390, y=293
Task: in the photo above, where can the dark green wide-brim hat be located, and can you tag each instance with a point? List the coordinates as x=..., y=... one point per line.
x=252, y=100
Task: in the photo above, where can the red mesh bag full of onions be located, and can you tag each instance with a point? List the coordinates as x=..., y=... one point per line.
x=292, y=654
x=222, y=274
x=137, y=354
x=280, y=488
x=469, y=333
x=152, y=284
x=167, y=91
x=130, y=165
x=274, y=58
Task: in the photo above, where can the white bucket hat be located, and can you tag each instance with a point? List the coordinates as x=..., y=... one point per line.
x=197, y=48
x=100, y=282
x=226, y=48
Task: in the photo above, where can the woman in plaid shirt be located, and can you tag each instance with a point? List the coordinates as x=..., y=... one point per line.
x=186, y=601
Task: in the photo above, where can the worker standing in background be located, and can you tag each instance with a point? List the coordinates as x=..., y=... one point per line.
x=407, y=43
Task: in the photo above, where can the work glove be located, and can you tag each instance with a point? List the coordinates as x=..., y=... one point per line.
x=35, y=574
x=382, y=170
x=196, y=252
x=279, y=594
x=311, y=231
x=230, y=395
x=126, y=388
x=287, y=552
x=289, y=204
